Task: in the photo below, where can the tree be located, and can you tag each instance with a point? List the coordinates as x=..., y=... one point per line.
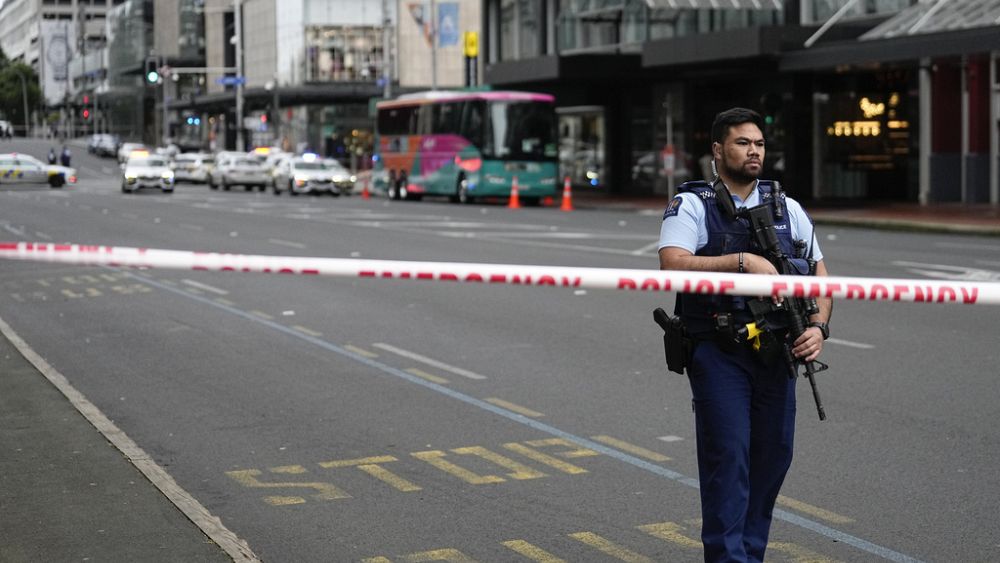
x=11, y=93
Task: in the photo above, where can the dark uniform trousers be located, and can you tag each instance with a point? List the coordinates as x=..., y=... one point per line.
x=745, y=425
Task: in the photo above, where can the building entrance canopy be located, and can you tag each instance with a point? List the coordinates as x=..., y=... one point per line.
x=938, y=16
x=715, y=4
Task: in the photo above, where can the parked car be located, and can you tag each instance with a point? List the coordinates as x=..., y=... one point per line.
x=238, y=169
x=19, y=168
x=144, y=170
x=107, y=145
x=193, y=167
x=309, y=174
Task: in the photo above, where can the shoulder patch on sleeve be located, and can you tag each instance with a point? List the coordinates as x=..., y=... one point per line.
x=673, y=207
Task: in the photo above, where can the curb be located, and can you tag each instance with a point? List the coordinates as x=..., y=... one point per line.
x=906, y=225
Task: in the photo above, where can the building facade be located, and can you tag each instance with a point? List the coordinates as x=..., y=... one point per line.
x=891, y=100
x=309, y=69
x=63, y=41
x=434, y=56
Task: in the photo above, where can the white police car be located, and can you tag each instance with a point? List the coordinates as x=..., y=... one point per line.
x=144, y=170
x=19, y=168
x=311, y=174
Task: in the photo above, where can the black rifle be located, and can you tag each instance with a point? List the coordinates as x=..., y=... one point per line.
x=797, y=309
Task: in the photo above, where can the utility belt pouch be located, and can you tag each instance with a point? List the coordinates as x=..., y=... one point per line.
x=677, y=345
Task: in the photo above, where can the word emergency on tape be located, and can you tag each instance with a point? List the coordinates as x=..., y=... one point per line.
x=872, y=289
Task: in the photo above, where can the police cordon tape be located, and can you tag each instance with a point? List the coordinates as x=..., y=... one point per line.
x=871, y=289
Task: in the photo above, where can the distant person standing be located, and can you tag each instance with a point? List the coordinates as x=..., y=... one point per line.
x=52, y=155
x=64, y=157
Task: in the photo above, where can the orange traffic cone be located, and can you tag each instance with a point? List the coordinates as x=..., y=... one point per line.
x=515, y=199
x=567, y=198
x=364, y=191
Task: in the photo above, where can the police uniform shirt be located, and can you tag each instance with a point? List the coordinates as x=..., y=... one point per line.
x=684, y=224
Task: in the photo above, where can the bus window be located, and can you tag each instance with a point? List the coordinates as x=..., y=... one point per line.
x=425, y=119
x=446, y=118
x=472, y=123
x=395, y=121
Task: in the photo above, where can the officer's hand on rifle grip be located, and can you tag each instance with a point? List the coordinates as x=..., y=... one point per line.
x=754, y=264
x=809, y=345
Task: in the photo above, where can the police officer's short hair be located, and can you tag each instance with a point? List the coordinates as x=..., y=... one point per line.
x=734, y=116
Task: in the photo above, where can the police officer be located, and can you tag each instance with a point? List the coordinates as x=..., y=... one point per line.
x=744, y=401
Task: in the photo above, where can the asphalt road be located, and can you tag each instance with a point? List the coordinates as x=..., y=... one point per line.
x=389, y=420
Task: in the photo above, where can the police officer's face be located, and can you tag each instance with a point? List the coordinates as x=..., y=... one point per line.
x=741, y=155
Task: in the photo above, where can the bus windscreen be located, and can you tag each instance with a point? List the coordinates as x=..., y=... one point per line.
x=521, y=131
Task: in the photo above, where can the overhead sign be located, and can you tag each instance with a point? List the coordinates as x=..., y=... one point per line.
x=231, y=80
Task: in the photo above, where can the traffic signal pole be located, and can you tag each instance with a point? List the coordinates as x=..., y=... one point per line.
x=163, y=85
x=238, y=23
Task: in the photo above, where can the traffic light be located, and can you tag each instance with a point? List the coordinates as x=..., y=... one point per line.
x=86, y=114
x=152, y=72
x=263, y=118
x=86, y=99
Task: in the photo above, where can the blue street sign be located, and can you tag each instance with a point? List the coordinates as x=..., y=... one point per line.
x=231, y=80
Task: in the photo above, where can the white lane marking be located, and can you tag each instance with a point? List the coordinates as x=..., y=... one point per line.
x=12, y=229
x=40, y=234
x=968, y=246
x=205, y=287
x=540, y=235
x=947, y=272
x=850, y=344
x=670, y=438
x=280, y=242
x=646, y=249
x=210, y=524
x=428, y=361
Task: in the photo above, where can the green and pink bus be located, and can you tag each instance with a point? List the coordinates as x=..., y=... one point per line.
x=466, y=145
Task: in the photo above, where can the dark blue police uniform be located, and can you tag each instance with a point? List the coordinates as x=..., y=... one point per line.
x=744, y=405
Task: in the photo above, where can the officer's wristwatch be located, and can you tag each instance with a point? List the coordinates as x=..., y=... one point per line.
x=823, y=328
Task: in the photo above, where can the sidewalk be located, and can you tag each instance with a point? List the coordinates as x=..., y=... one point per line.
x=67, y=494
x=973, y=219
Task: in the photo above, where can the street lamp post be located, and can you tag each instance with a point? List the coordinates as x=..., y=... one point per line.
x=238, y=23
x=386, y=49
x=24, y=98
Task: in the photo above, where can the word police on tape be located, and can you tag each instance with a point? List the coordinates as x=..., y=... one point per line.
x=873, y=289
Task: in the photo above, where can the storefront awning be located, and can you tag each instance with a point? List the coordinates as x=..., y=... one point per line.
x=715, y=4
x=927, y=29
x=937, y=16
